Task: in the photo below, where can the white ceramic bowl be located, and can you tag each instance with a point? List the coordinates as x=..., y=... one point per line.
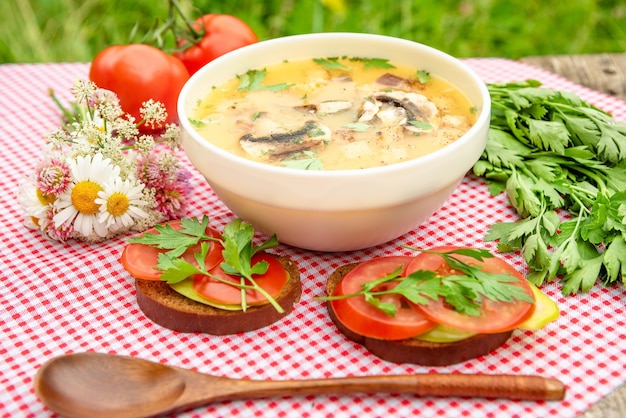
x=338, y=210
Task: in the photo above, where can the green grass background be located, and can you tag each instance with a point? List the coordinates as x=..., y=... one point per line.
x=75, y=30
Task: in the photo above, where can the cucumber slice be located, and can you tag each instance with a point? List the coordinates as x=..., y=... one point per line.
x=185, y=288
x=445, y=334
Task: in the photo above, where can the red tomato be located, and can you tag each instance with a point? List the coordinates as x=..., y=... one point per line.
x=223, y=33
x=140, y=259
x=137, y=73
x=365, y=319
x=496, y=316
x=272, y=282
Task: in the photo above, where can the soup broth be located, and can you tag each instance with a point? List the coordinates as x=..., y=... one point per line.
x=333, y=114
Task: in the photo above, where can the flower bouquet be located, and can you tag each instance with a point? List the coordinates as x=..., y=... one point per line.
x=103, y=173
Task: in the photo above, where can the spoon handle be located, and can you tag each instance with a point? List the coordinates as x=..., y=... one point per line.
x=435, y=385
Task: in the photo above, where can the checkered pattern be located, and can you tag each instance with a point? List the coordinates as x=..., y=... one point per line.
x=62, y=298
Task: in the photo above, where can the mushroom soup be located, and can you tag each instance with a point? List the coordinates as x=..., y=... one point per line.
x=333, y=114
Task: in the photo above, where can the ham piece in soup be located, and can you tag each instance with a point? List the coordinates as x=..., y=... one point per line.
x=334, y=114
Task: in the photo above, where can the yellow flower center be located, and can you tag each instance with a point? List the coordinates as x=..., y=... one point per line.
x=117, y=204
x=45, y=199
x=84, y=195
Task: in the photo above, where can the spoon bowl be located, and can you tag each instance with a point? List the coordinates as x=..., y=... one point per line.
x=114, y=387
x=94, y=385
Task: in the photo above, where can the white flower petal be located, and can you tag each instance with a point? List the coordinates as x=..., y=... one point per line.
x=83, y=224
x=64, y=216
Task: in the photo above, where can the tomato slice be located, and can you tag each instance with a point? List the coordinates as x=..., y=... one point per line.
x=140, y=259
x=361, y=317
x=273, y=281
x=496, y=316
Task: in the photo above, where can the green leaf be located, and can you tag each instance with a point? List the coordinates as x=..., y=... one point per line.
x=583, y=130
x=583, y=278
x=423, y=76
x=519, y=188
x=196, y=123
x=421, y=287
x=537, y=111
x=495, y=188
x=536, y=252
x=239, y=249
x=387, y=307
x=550, y=192
x=176, y=270
x=611, y=143
x=537, y=277
x=357, y=127
x=420, y=124
x=545, y=167
x=331, y=63
x=524, y=228
x=501, y=232
x=593, y=228
x=614, y=260
x=516, y=127
x=550, y=222
x=496, y=287
x=569, y=256
x=370, y=63
x=177, y=242
x=253, y=80
x=616, y=178
x=306, y=160
x=503, y=150
x=548, y=135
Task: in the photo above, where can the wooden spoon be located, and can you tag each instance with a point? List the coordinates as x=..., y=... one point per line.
x=103, y=385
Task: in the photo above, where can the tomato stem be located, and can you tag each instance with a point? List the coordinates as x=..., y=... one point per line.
x=176, y=9
x=188, y=31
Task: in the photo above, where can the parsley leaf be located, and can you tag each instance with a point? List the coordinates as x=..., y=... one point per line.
x=331, y=63
x=420, y=124
x=196, y=123
x=175, y=270
x=177, y=242
x=305, y=160
x=562, y=164
x=253, y=80
x=423, y=76
x=334, y=63
x=369, y=63
x=357, y=126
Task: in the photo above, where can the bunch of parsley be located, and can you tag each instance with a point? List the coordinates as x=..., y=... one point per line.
x=561, y=162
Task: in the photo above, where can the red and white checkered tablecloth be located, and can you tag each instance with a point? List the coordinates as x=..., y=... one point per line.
x=60, y=298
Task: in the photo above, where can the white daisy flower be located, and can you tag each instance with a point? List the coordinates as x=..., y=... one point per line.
x=34, y=203
x=78, y=203
x=120, y=204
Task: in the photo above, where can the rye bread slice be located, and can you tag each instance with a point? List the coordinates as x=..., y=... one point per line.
x=166, y=307
x=412, y=350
